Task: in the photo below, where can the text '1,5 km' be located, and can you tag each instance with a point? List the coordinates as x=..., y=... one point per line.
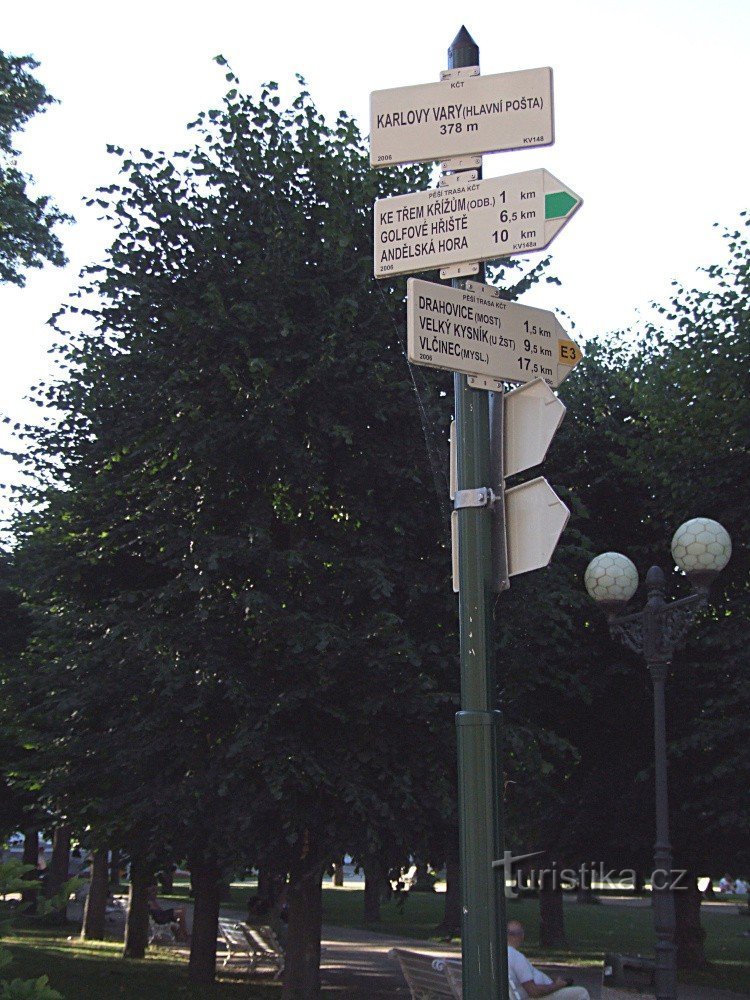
x=470, y=220
x=458, y=117
x=473, y=330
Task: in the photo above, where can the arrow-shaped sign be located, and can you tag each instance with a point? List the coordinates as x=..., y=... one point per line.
x=535, y=517
x=470, y=220
x=533, y=414
x=473, y=330
x=527, y=519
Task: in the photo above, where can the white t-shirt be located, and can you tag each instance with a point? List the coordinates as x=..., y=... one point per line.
x=523, y=970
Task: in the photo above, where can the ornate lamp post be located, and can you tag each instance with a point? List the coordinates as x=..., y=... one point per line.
x=701, y=549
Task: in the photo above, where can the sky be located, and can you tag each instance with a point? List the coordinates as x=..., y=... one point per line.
x=650, y=124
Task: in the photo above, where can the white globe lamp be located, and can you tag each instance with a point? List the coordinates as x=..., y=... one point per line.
x=701, y=548
x=611, y=580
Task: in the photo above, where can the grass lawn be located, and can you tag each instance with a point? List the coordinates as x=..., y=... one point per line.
x=88, y=970
x=95, y=970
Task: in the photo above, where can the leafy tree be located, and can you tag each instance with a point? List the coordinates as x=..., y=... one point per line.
x=19, y=805
x=26, y=222
x=694, y=387
x=235, y=540
x=657, y=433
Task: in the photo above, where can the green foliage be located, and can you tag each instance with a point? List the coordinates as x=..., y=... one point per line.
x=12, y=880
x=12, y=876
x=239, y=544
x=693, y=385
x=656, y=432
x=29, y=989
x=26, y=223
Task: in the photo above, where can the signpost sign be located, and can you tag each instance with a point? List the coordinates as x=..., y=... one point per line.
x=535, y=517
x=533, y=414
x=470, y=220
x=472, y=330
x=459, y=117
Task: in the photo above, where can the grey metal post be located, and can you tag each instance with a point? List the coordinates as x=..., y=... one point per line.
x=657, y=651
x=483, y=935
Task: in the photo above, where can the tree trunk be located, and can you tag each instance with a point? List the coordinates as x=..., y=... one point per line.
x=373, y=886
x=207, y=886
x=166, y=878
x=689, y=934
x=338, y=876
x=551, y=916
x=585, y=892
x=266, y=887
x=136, y=928
x=95, y=910
x=302, y=970
x=450, y=926
x=114, y=870
x=30, y=857
x=59, y=866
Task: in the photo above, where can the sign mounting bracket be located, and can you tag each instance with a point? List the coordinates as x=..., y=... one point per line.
x=481, y=497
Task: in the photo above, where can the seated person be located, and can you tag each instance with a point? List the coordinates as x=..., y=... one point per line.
x=726, y=884
x=168, y=915
x=534, y=982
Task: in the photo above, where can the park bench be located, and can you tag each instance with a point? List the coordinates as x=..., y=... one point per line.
x=424, y=974
x=268, y=950
x=627, y=977
x=455, y=979
x=431, y=978
x=236, y=943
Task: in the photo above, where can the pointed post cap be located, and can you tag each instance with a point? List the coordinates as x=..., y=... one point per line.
x=463, y=51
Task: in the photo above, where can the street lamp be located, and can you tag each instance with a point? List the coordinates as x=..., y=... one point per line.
x=701, y=549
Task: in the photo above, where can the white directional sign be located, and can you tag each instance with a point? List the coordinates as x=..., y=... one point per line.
x=533, y=414
x=473, y=330
x=464, y=116
x=470, y=220
x=535, y=517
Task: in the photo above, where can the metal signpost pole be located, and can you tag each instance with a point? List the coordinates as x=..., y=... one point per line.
x=483, y=931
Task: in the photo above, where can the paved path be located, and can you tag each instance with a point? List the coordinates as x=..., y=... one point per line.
x=356, y=963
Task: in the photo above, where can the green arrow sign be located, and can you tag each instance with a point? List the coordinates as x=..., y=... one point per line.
x=558, y=204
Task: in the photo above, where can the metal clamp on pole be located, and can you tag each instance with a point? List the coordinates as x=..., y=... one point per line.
x=481, y=497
